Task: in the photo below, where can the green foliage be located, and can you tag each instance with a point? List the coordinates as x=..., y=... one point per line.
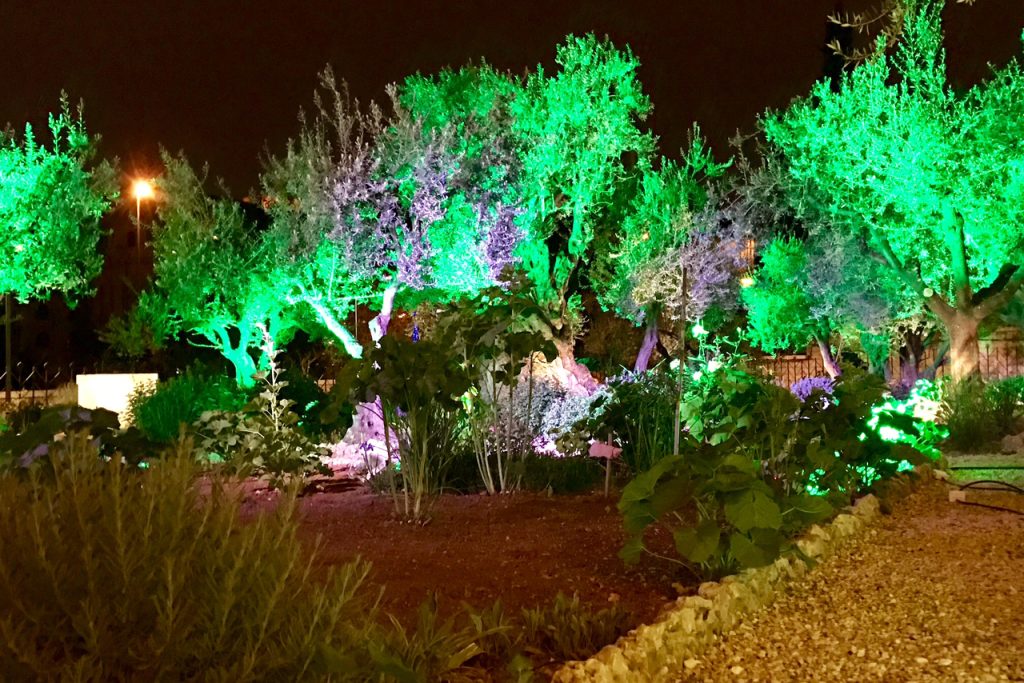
x=657, y=222
x=51, y=201
x=575, y=127
x=434, y=647
x=919, y=411
x=779, y=311
x=161, y=411
x=419, y=386
x=978, y=415
x=308, y=401
x=929, y=180
x=494, y=336
x=637, y=412
x=217, y=273
x=264, y=437
x=167, y=584
x=759, y=465
x=567, y=630
x=33, y=434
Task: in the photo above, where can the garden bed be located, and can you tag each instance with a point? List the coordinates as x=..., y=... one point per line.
x=522, y=549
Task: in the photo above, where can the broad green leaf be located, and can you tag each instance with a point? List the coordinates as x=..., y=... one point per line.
x=748, y=510
x=698, y=544
x=746, y=553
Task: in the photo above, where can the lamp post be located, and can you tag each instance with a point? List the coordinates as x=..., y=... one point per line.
x=141, y=189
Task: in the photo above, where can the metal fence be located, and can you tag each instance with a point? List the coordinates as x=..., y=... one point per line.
x=1001, y=356
x=44, y=383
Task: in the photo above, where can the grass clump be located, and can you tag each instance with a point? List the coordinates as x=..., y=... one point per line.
x=112, y=572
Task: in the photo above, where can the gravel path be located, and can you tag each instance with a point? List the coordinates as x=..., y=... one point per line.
x=934, y=592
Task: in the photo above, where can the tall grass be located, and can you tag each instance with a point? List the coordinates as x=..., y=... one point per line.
x=108, y=572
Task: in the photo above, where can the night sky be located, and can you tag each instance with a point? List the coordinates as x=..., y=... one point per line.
x=224, y=80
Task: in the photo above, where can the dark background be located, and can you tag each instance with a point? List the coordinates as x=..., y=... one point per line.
x=224, y=80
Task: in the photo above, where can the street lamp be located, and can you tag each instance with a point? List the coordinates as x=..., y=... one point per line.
x=141, y=189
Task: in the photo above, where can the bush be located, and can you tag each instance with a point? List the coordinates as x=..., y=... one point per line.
x=308, y=401
x=111, y=572
x=419, y=385
x=637, y=411
x=759, y=465
x=161, y=411
x=264, y=437
x=978, y=415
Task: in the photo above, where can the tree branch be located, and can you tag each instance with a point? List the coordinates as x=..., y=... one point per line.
x=993, y=298
x=933, y=301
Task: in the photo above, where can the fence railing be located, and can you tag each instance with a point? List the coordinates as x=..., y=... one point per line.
x=39, y=383
x=1001, y=356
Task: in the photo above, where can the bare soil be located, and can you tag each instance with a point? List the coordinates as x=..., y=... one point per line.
x=523, y=549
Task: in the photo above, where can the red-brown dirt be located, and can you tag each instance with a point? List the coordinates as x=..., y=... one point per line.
x=522, y=549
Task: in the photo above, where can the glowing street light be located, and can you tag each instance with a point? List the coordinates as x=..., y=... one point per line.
x=141, y=189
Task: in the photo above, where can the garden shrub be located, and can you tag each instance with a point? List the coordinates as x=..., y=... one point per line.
x=160, y=411
x=758, y=465
x=262, y=438
x=978, y=415
x=420, y=386
x=922, y=402
x=34, y=431
x=636, y=410
x=308, y=401
x=111, y=572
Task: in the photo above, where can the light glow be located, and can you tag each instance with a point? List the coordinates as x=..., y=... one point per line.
x=142, y=189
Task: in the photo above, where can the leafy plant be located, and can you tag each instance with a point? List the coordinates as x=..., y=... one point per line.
x=568, y=630
x=495, y=336
x=419, y=386
x=265, y=436
x=637, y=412
x=166, y=584
x=160, y=411
x=758, y=465
x=978, y=414
x=33, y=432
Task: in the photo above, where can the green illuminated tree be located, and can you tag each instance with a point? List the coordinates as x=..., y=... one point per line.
x=51, y=201
x=415, y=209
x=217, y=272
x=446, y=208
x=929, y=181
x=579, y=139
x=780, y=310
x=640, y=261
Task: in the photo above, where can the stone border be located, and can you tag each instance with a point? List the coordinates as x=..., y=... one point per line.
x=685, y=628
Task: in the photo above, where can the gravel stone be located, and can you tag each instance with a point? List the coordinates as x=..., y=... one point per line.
x=934, y=592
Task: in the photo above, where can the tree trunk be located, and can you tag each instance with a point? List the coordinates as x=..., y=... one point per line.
x=910, y=354
x=244, y=365
x=964, y=354
x=643, y=358
x=580, y=374
x=379, y=325
x=8, y=352
x=831, y=366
